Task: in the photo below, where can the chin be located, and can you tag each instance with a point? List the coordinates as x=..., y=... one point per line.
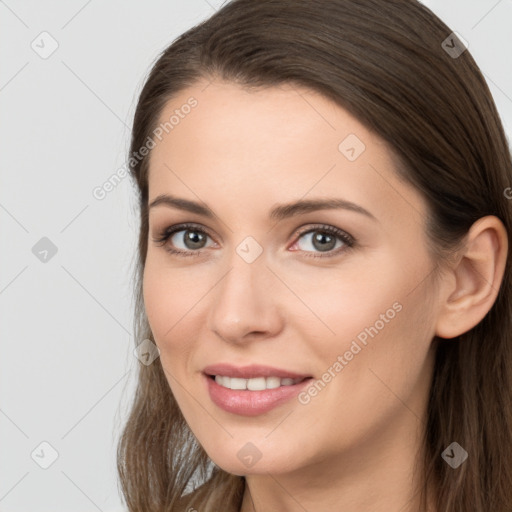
x=259, y=465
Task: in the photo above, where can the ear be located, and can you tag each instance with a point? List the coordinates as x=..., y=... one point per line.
x=472, y=284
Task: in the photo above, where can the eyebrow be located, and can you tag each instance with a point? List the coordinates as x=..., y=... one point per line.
x=278, y=212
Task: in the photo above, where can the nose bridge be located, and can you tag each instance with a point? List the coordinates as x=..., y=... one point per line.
x=242, y=303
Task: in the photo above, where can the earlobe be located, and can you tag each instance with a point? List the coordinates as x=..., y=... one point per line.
x=476, y=279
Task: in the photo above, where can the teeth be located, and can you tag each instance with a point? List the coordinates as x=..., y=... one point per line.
x=254, y=384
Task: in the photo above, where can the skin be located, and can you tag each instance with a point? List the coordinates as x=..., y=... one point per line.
x=354, y=446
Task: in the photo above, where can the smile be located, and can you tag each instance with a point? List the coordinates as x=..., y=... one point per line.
x=256, y=383
x=252, y=397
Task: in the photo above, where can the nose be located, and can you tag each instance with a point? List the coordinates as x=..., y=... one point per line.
x=245, y=302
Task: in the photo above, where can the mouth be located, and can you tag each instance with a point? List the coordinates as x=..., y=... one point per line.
x=252, y=390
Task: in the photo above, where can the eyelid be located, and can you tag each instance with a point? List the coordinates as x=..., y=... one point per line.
x=164, y=234
x=341, y=233
x=349, y=241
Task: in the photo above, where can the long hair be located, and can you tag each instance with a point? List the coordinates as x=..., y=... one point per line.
x=401, y=72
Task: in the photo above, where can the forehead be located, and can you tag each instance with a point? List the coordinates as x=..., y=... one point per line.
x=274, y=121
x=258, y=147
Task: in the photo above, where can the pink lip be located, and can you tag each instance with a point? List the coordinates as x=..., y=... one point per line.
x=251, y=403
x=251, y=371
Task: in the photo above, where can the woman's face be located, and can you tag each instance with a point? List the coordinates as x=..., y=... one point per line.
x=342, y=295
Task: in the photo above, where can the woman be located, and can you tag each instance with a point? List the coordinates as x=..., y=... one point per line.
x=376, y=376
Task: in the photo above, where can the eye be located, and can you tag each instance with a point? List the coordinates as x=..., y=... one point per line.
x=192, y=240
x=318, y=238
x=324, y=239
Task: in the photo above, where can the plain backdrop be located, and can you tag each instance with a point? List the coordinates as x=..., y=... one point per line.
x=69, y=78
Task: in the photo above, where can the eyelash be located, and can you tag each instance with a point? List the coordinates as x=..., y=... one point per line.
x=347, y=239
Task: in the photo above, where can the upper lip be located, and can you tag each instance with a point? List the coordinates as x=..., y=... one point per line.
x=251, y=371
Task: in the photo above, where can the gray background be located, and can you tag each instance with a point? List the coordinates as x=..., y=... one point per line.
x=66, y=367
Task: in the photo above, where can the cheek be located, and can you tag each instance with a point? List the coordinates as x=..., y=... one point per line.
x=164, y=307
x=174, y=302
x=169, y=298
x=378, y=316
x=343, y=302
x=385, y=351
x=159, y=305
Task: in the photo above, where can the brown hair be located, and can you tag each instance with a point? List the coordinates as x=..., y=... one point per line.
x=385, y=63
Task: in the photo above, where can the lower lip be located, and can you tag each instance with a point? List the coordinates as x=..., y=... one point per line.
x=251, y=403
